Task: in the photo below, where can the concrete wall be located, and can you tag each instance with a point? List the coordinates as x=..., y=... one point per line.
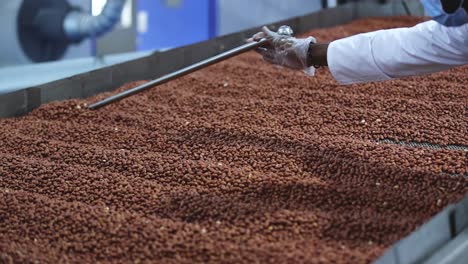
x=238, y=15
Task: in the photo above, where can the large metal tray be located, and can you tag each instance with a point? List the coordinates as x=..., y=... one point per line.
x=441, y=240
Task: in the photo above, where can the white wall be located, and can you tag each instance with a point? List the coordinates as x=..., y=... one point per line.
x=236, y=15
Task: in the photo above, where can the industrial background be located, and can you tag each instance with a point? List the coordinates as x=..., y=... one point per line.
x=56, y=54
x=140, y=27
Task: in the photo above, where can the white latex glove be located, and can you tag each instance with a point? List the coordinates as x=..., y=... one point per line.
x=284, y=50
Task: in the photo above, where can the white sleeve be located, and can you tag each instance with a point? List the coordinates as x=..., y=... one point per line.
x=386, y=54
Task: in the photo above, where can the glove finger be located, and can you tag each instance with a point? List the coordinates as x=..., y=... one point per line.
x=265, y=50
x=259, y=36
x=268, y=32
x=273, y=37
x=260, y=50
x=268, y=45
x=269, y=56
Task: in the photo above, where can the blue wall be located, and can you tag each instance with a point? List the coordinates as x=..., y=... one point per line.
x=173, y=23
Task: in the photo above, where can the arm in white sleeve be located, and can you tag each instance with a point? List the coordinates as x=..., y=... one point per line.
x=386, y=54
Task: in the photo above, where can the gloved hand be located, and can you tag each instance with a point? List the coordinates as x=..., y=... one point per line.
x=284, y=50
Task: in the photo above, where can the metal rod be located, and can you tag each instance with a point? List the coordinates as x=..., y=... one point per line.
x=179, y=73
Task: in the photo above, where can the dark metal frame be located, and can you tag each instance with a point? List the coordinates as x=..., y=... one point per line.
x=444, y=239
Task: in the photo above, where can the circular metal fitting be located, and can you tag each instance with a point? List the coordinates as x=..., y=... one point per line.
x=285, y=30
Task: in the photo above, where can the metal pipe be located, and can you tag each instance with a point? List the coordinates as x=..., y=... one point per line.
x=283, y=30
x=79, y=25
x=179, y=73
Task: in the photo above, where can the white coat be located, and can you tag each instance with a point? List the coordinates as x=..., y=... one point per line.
x=386, y=54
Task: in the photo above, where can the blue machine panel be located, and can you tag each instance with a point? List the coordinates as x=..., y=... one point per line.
x=174, y=23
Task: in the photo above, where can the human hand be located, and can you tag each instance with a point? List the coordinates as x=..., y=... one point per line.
x=284, y=50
